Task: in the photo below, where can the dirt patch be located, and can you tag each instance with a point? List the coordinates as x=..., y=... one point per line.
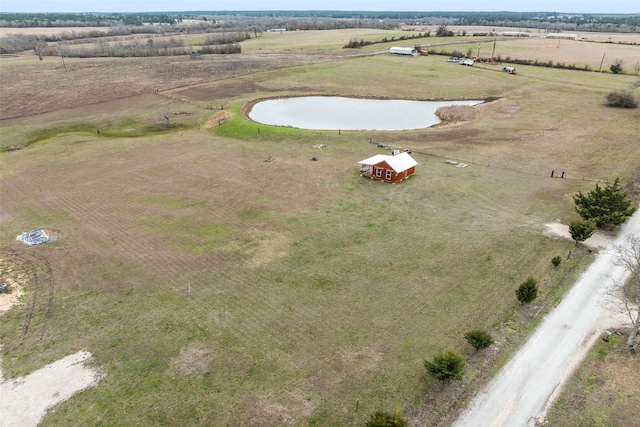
x=557, y=230
x=287, y=410
x=194, y=360
x=15, y=282
x=270, y=245
x=26, y=400
x=12, y=298
x=218, y=118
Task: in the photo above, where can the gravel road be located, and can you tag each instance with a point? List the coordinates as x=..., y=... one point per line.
x=525, y=387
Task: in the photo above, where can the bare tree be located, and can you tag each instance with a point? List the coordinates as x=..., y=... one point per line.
x=627, y=255
x=165, y=115
x=442, y=31
x=40, y=49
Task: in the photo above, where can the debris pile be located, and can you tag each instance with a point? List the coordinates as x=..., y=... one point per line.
x=34, y=237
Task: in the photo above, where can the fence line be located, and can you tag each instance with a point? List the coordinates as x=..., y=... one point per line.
x=559, y=174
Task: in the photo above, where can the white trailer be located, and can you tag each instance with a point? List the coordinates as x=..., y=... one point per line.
x=407, y=51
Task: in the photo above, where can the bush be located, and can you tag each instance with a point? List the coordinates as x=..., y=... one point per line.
x=556, y=261
x=385, y=419
x=581, y=230
x=622, y=100
x=616, y=68
x=527, y=291
x=479, y=338
x=446, y=366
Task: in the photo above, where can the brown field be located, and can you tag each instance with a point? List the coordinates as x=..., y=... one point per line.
x=92, y=81
x=215, y=288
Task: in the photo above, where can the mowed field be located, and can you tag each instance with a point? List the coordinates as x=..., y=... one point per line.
x=215, y=288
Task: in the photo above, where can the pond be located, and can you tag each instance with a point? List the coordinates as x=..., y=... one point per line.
x=333, y=112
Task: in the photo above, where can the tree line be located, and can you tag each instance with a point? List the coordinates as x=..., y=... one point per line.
x=550, y=21
x=219, y=44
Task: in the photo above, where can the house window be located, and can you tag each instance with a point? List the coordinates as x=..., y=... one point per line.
x=388, y=174
x=378, y=172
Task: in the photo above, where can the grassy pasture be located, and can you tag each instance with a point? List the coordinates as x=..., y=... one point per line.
x=213, y=287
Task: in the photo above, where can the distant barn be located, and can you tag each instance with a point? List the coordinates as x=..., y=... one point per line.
x=406, y=51
x=562, y=36
x=388, y=168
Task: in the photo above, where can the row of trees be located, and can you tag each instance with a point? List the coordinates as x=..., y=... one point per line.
x=497, y=18
x=22, y=20
x=607, y=208
x=355, y=43
x=222, y=43
x=12, y=43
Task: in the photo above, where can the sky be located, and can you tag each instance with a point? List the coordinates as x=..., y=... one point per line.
x=565, y=6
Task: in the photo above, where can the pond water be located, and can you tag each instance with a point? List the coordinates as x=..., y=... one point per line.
x=333, y=112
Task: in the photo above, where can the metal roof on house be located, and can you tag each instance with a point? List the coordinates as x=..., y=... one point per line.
x=399, y=163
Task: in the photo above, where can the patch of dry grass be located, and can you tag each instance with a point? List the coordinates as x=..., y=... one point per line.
x=457, y=113
x=605, y=390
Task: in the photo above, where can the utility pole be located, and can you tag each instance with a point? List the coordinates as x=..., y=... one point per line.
x=600, y=69
x=65, y=65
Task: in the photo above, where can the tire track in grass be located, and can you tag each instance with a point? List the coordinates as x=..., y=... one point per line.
x=40, y=284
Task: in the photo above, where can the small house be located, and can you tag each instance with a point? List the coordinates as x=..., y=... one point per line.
x=388, y=168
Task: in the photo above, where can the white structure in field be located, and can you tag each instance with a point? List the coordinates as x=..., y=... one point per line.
x=407, y=51
x=561, y=36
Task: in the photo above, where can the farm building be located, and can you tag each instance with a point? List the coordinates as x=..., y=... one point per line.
x=388, y=168
x=408, y=51
x=562, y=36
